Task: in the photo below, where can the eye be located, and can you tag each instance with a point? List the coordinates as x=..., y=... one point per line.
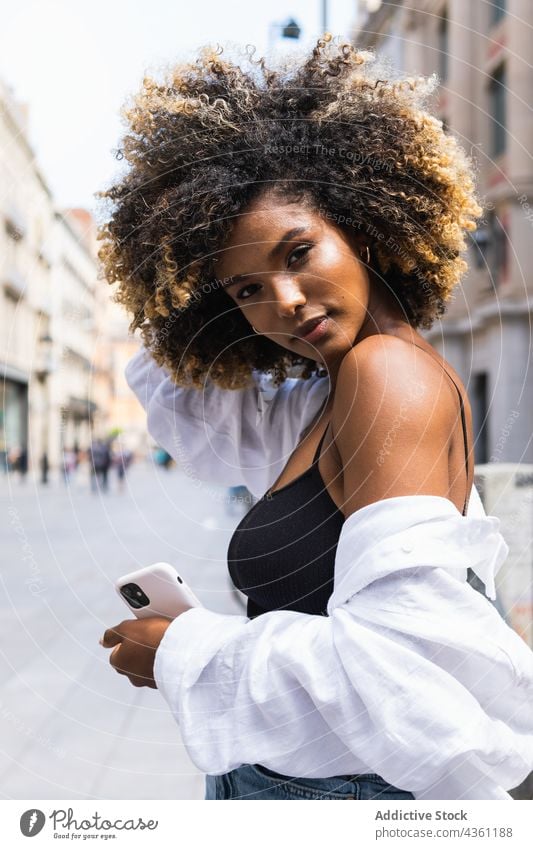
x=299, y=252
x=244, y=288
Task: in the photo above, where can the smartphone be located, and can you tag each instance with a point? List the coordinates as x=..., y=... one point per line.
x=156, y=590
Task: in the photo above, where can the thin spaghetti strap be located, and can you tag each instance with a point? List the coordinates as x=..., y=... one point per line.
x=317, y=452
x=463, y=422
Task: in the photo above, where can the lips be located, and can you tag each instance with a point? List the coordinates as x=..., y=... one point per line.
x=309, y=325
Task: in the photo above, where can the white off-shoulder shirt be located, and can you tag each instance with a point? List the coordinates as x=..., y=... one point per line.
x=413, y=675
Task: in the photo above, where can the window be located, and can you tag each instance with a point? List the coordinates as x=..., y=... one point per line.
x=497, y=11
x=497, y=110
x=14, y=227
x=14, y=417
x=497, y=248
x=443, y=47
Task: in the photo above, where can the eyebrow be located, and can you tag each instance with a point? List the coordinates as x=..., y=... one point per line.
x=290, y=234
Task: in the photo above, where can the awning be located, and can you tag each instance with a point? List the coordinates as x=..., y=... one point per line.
x=81, y=408
x=8, y=372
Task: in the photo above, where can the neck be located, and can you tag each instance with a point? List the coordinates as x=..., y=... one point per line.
x=384, y=316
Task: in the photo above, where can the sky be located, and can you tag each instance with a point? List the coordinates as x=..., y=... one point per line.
x=75, y=63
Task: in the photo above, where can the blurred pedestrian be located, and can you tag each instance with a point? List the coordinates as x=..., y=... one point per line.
x=22, y=463
x=78, y=453
x=45, y=467
x=100, y=460
x=69, y=464
x=122, y=460
x=239, y=500
x=163, y=458
x=12, y=455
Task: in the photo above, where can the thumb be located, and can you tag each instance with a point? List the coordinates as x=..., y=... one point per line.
x=112, y=637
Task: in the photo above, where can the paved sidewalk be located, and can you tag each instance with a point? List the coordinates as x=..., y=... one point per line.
x=69, y=726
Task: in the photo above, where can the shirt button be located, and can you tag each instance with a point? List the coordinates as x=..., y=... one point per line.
x=407, y=547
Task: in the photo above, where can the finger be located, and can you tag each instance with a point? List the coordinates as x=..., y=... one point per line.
x=119, y=662
x=112, y=637
x=113, y=653
x=142, y=681
x=116, y=662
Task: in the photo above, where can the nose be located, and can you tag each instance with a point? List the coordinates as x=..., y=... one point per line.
x=287, y=294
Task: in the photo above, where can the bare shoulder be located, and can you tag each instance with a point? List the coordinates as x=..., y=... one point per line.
x=385, y=370
x=394, y=412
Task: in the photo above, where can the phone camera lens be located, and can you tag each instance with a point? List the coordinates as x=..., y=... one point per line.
x=135, y=597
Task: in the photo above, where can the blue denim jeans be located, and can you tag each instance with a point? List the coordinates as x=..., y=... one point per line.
x=253, y=781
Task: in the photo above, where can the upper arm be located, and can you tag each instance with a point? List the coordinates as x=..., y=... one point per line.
x=224, y=436
x=393, y=418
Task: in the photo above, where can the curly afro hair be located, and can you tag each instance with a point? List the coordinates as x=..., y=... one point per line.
x=215, y=134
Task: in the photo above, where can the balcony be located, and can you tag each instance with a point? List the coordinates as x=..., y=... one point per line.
x=15, y=223
x=14, y=283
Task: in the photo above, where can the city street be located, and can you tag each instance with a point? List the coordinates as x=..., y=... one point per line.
x=70, y=727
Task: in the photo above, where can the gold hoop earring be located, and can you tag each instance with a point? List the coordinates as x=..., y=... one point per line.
x=367, y=255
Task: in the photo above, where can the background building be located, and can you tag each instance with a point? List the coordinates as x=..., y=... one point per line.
x=63, y=344
x=74, y=333
x=481, y=52
x=26, y=236
x=125, y=412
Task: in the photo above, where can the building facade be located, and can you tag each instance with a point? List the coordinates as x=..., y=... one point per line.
x=26, y=235
x=56, y=384
x=74, y=331
x=480, y=52
x=126, y=413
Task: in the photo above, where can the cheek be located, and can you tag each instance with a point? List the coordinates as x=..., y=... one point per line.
x=338, y=268
x=247, y=310
x=335, y=255
x=236, y=307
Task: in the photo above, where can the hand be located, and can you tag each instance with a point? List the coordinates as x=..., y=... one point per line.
x=135, y=643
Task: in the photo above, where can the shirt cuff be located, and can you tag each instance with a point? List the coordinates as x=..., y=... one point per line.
x=188, y=644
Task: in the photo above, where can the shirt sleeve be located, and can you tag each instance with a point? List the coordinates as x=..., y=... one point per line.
x=226, y=437
x=413, y=675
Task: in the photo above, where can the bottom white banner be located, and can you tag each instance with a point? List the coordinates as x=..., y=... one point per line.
x=177, y=823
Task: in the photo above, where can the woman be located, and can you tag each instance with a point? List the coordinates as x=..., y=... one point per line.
x=313, y=217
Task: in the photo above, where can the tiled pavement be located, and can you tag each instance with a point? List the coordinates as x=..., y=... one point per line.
x=69, y=726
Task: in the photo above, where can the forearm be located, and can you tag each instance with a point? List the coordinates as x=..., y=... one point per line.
x=226, y=437
x=321, y=696
x=412, y=675
x=229, y=712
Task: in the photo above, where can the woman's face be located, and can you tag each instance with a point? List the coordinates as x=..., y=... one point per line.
x=286, y=263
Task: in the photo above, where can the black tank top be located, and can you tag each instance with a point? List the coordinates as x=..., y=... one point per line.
x=282, y=553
